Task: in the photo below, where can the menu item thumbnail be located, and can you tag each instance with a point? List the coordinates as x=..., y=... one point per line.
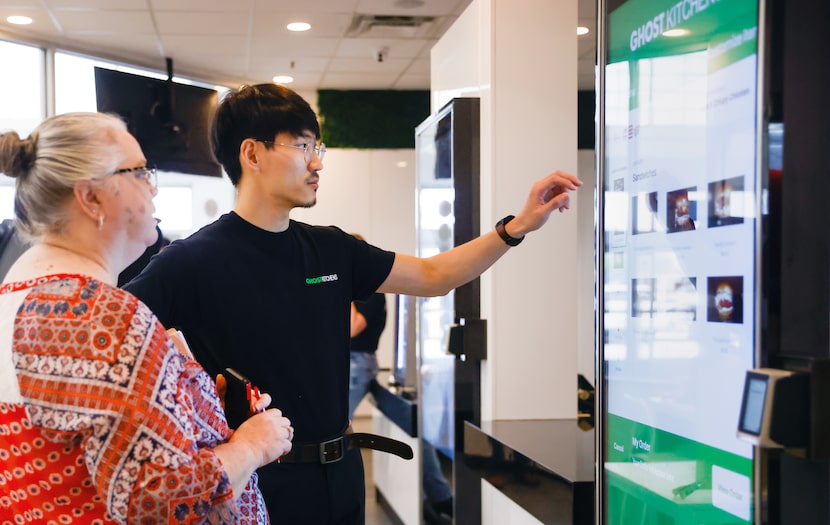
x=681, y=212
x=644, y=212
x=725, y=299
x=726, y=202
x=664, y=298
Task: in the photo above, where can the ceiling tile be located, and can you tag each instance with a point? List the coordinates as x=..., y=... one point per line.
x=213, y=23
x=393, y=66
x=229, y=65
x=368, y=47
x=293, y=47
x=97, y=4
x=308, y=6
x=419, y=66
x=270, y=66
x=197, y=6
x=358, y=81
x=333, y=25
x=104, y=21
x=389, y=7
x=41, y=21
x=413, y=81
x=145, y=45
x=216, y=44
x=300, y=80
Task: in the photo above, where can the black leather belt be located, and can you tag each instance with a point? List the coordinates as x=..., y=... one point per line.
x=334, y=449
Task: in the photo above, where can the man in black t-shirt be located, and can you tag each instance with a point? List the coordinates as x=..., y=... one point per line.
x=270, y=297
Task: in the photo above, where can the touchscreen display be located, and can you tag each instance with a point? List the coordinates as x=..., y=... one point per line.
x=680, y=219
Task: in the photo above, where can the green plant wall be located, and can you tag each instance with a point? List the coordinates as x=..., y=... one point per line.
x=371, y=119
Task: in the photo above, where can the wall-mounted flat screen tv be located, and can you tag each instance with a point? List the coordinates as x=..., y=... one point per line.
x=171, y=121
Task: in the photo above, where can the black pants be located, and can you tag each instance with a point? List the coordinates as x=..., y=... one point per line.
x=315, y=494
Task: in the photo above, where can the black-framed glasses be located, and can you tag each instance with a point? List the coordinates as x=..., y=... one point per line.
x=307, y=147
x=146, y=173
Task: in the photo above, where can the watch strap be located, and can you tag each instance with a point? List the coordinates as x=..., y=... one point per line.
x=508, y=240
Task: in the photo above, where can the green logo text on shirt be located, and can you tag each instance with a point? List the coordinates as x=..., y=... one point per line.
x=321, y=279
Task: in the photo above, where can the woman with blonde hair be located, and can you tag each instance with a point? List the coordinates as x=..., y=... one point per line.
x=104, y=417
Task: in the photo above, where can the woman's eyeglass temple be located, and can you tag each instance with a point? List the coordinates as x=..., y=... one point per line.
x=145, y=173
x=306, y=147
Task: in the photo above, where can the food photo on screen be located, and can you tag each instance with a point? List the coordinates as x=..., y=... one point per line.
x=681, y=211
x=726, y=202
x=643, y=297
x=664, y=298
x=725, y=299
x=644, y=213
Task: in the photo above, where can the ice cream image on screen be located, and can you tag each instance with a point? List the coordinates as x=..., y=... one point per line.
x=724, y=303
x=722, y=201
x=682, y=220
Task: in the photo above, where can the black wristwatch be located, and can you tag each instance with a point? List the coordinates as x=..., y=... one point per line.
x=510, y=241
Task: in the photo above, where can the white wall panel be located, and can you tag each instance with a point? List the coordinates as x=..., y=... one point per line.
x=526, y=74
x=455, y=65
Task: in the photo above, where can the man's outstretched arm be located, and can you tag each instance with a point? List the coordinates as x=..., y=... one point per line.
x=446, y=271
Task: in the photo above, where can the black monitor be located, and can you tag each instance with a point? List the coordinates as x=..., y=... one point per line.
x=171, y=121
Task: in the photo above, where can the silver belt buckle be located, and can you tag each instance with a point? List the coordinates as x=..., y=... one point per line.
x=336, y=450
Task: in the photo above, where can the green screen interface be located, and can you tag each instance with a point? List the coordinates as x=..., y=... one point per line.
x=680, y=219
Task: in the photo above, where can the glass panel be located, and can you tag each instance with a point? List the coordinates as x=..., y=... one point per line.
x=436, y=221
x=22, y=102
x=74, y=83
x=435, y=227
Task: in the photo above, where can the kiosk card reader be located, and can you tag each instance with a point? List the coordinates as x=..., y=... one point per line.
x=787, y=408
x=756, y=414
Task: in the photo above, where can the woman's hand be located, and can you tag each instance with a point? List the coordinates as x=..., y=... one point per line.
x=267, y=434
x=260, y=440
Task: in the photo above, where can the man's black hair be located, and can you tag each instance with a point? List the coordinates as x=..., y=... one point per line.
x=260, y=112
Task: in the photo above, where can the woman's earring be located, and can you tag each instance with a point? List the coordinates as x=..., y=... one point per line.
x=100, y=222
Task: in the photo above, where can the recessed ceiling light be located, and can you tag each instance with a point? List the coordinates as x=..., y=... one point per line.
x=283, y=79
x=401, y=164
x=19, y=20
x=675, y=32
x=582, y=30
x=298, y=26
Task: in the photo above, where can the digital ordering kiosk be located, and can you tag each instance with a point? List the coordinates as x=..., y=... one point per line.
x=703, y=402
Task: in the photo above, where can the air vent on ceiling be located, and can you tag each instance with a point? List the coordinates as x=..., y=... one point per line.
x=391, y=26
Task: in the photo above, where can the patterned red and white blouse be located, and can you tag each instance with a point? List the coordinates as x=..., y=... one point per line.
x=102, y=419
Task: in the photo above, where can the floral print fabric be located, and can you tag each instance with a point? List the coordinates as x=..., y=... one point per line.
x=113, y=424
